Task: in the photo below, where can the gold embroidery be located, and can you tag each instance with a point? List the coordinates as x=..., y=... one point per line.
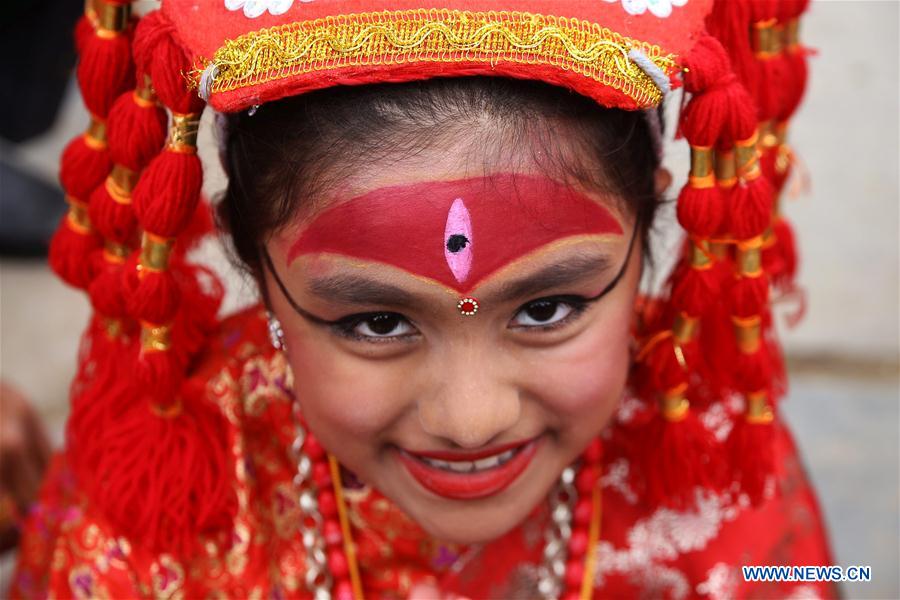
x=437, y=36
x=167, y=577
x=236, y=558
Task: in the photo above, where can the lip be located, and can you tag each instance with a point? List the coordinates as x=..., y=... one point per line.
x=469, y=486
x=457, y=455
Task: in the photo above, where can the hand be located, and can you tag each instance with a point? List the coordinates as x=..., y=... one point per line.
x=24, y=455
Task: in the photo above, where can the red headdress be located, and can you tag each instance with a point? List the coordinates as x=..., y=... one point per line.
x=148, y=450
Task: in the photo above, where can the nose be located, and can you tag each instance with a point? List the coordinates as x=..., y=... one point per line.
x=473, y=402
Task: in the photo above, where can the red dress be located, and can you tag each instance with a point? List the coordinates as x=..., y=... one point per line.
x=68, y=550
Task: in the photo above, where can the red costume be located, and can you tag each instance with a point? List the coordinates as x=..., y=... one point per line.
x=182, y=473
x=71, y=551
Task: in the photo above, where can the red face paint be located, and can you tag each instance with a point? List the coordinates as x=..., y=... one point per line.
x=455, y=232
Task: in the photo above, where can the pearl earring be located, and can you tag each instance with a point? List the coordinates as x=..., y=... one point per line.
x=276, y=333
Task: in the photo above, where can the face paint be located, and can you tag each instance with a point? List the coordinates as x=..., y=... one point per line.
x=458, y=240
x=455, y=232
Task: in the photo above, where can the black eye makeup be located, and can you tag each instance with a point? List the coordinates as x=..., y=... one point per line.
x=542, y=314
x=552, y=312
x=535, y=316
x=377, y=327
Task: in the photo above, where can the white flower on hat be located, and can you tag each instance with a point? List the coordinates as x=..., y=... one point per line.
x=659, y=8
x=255, y=8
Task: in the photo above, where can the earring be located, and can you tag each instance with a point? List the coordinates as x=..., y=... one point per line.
x=276, y=333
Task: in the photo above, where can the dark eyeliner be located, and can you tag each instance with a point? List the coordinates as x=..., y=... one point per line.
x=579, y=305
x=345, y=326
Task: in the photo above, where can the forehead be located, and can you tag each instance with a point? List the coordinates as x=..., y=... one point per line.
x=456, y=232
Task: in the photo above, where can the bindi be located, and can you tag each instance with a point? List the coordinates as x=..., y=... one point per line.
x=458, y=232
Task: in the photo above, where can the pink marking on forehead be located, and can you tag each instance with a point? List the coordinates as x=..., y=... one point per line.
x=455, y=232
x=458, y=240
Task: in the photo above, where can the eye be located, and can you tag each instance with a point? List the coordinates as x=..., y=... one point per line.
x=379, y=326
x=544, y=312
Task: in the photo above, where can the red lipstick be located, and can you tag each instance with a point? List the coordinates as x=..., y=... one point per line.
x=459, y=476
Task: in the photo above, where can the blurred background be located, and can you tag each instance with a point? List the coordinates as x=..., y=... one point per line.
x=844, y=403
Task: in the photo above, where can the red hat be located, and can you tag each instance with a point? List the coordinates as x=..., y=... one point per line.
x=152, y=455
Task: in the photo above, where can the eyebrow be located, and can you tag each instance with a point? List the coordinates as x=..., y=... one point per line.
x=351, y=289
x=574, y=269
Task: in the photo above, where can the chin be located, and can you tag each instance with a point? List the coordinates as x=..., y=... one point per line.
x=472, y=522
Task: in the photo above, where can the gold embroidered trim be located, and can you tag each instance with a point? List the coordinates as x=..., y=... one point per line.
x=437, y=36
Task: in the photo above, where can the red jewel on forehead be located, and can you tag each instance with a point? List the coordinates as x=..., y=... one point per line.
x=459, y=232
x=467, y=306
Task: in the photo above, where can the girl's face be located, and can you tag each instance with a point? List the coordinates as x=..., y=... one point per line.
x=464, y=421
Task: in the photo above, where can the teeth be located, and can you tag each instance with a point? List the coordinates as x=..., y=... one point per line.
x=487, y=463
x=462, y=466
x=468, y=466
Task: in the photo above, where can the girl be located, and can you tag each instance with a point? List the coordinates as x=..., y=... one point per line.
x=452, y=386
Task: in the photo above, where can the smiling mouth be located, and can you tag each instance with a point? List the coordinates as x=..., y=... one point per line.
x=478, y=475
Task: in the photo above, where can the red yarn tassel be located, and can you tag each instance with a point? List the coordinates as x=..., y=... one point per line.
x=663, y=363
x=162, y=476
x=162, y=372
x=70, y=253
x=167, y=194
x=794, y=81
x=781, y=258
x=751, y=450
x=202, y=224
x=106, y=291
x=111, y=213
x=84, y=30
x=105, y=70
x=153, y=296
x=677, y=457
x=156, y=467
x=84, y=165
x=700, y=210
x=775, y=167
x=720, y=110
x=753, y=370
x=151, y=31
x=767, y=82
x=696, y=290
x=137, y=130
x=751, y=210
x=729, y=22
x=749, y=296
x=98, y=387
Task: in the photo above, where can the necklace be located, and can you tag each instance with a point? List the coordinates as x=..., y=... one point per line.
x=332, y=571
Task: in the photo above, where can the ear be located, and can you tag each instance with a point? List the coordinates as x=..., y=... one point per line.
x=662, y=181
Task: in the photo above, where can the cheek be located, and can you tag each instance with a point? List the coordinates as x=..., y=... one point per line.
x=341, y=396
x=582, y=381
